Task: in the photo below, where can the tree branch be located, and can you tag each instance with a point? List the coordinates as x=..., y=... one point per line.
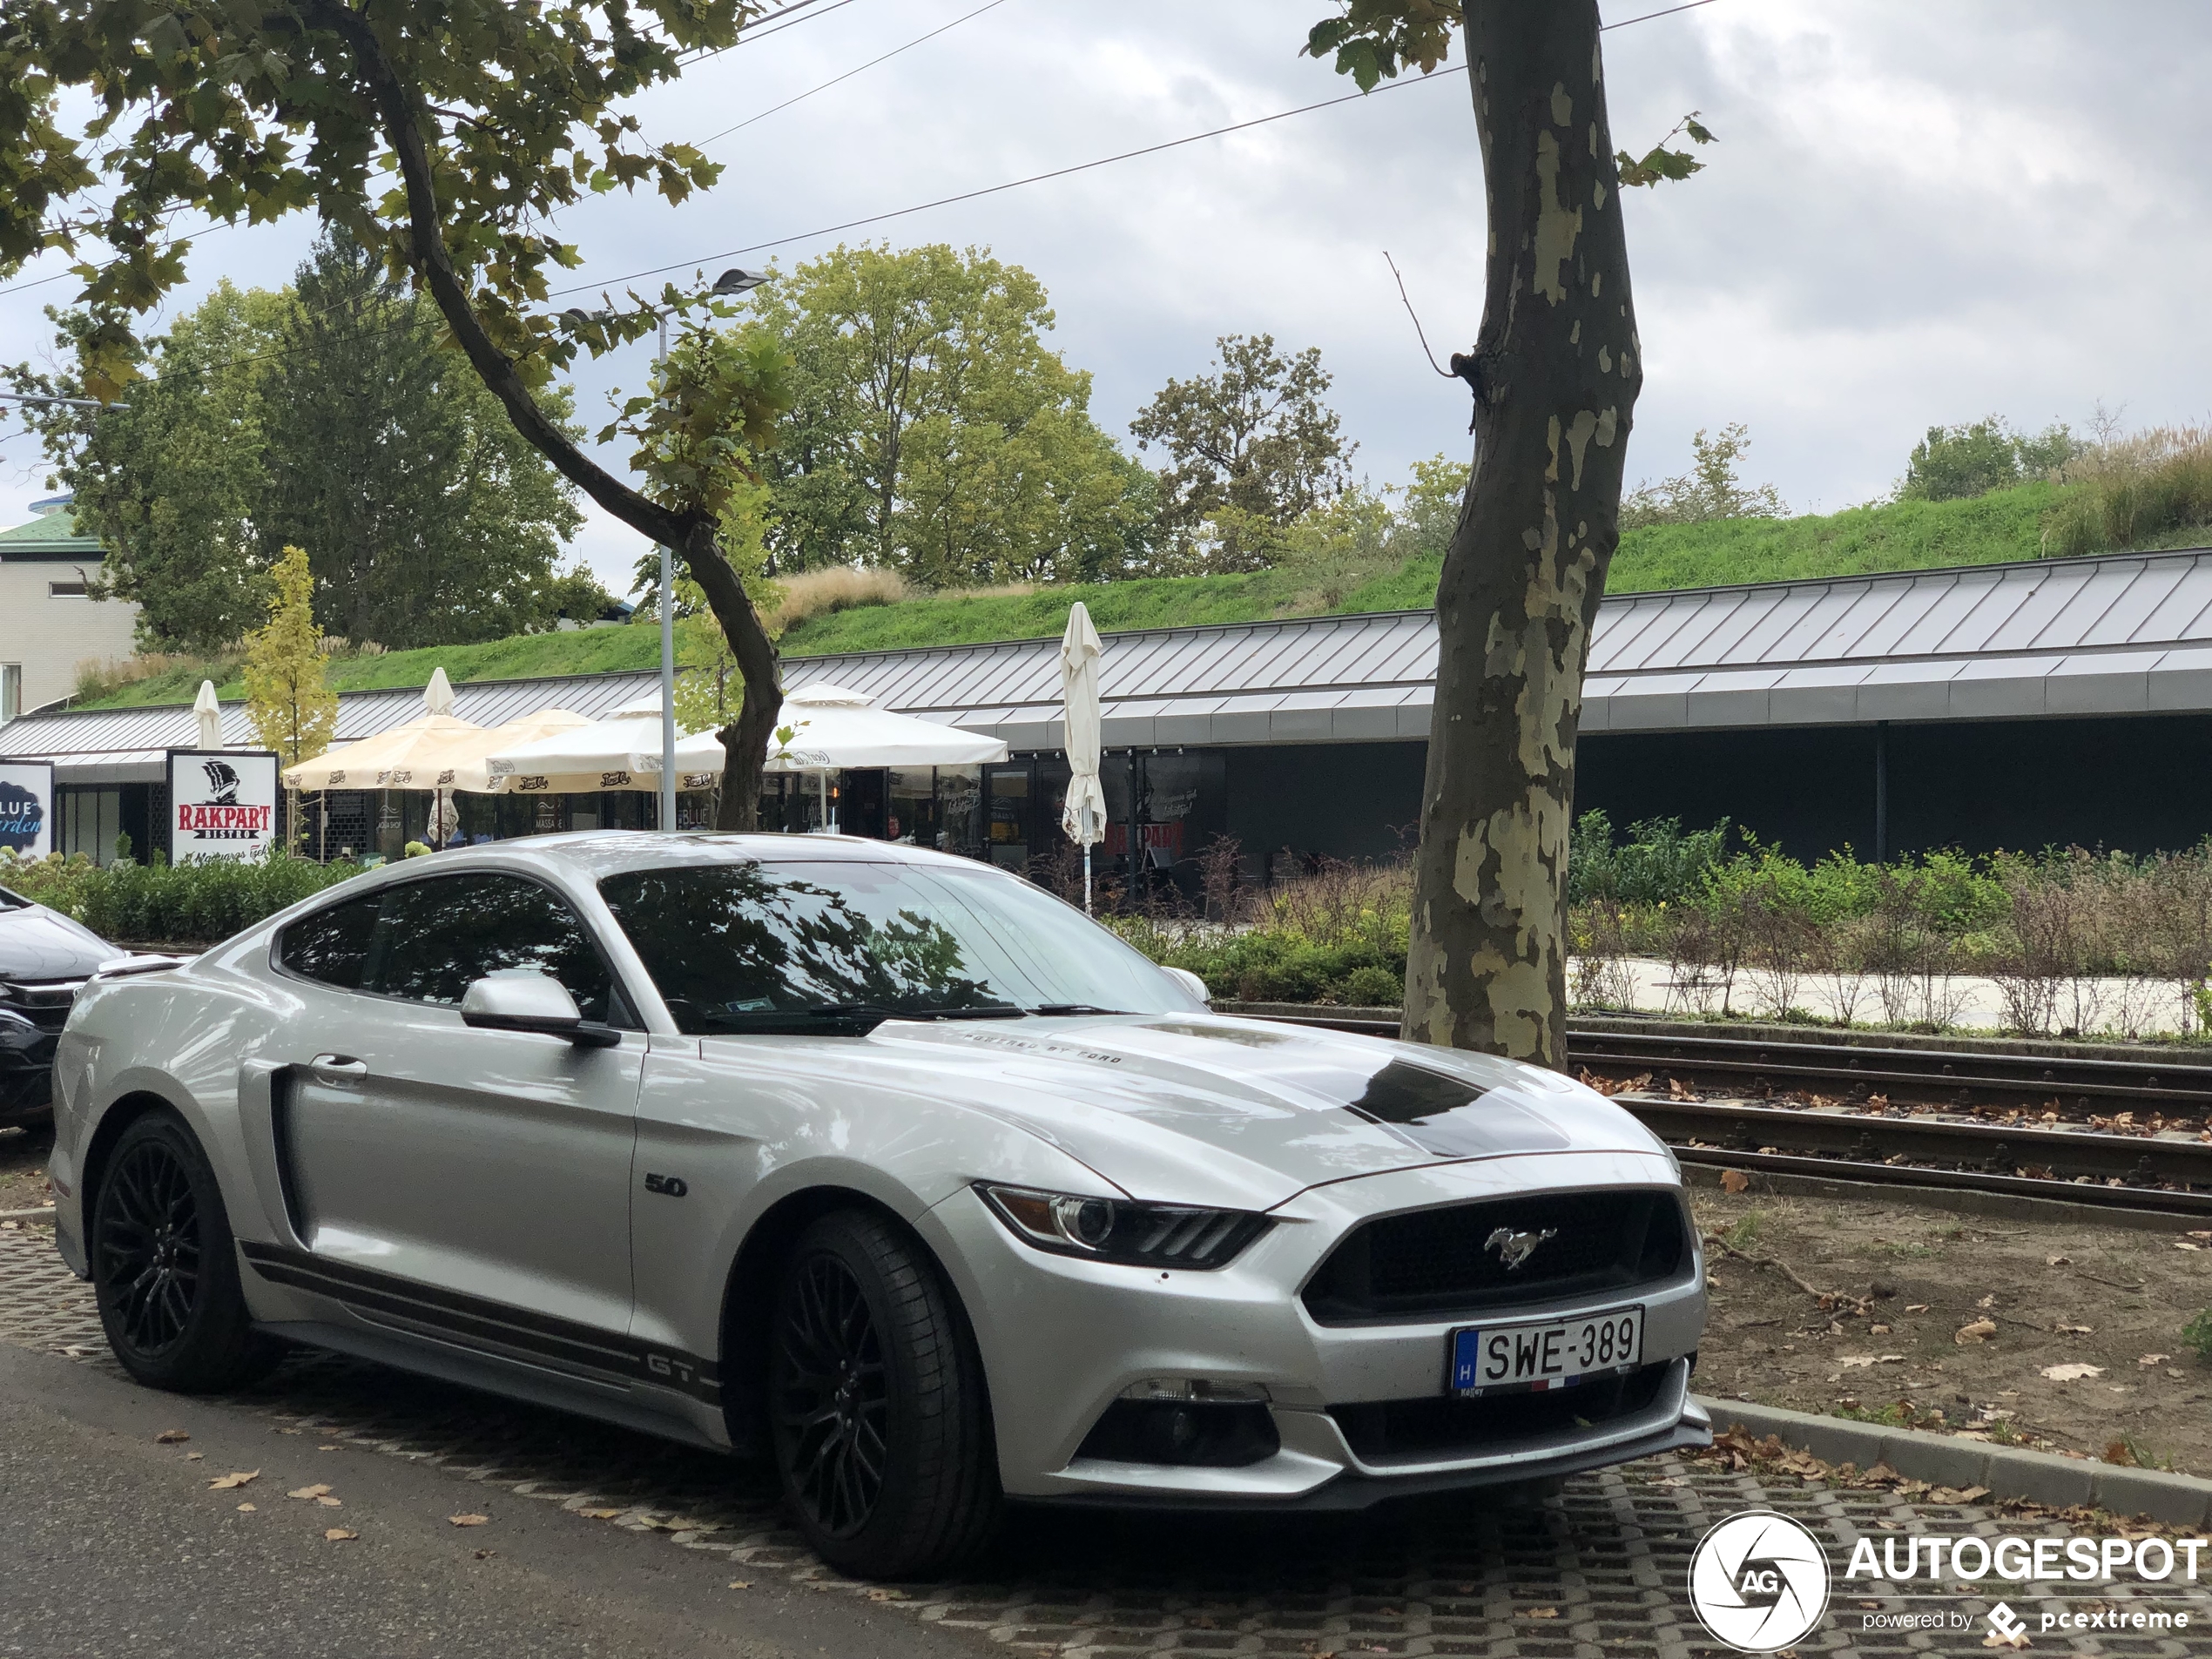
x=426, y=251
x=689, y=532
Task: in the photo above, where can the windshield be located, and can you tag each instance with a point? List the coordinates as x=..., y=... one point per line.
x=739, y=946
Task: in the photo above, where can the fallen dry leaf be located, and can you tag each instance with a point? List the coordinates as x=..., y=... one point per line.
x=170, y=1437
x=235, y=1479
x=486, y=1555
x=1979, y=1330
x=1877, y=1330
x=1989, y=1301
x=327, y=1448
x=247, y=1508
x=2183, y=1243
x=338, y=1534
x=2073, y=1372
x=328, y=1503
x=900, y=1595
x=1541, y=1613
x=598, y=1514
x=2058, y=1261
x=1734, y=1181
x=740, y=1584
x=2065, y=1330
x=307, y=1492
x=468, y=1521
x=2154, y=1360
x=193, y=1457
x=1916, y=1307
x=2203, y=1237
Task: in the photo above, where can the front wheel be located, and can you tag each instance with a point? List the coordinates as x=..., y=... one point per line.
x=165, y=1270
x=882, y=1430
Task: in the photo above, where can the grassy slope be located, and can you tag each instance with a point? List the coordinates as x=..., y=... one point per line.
x=1902, y=536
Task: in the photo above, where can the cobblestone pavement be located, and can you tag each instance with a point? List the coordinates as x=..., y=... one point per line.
x=1598, y=1571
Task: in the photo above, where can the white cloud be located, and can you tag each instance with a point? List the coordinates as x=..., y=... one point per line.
x=1916, y=212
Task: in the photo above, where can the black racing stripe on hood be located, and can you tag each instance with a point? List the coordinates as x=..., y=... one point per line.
x=1450, y=1117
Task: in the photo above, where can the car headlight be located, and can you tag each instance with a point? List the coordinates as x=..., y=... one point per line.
x=1116, y=1229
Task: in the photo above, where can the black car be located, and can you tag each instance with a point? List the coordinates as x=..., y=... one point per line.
x=45, y=957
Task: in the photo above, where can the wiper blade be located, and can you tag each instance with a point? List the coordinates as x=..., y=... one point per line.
x=1073, y=1007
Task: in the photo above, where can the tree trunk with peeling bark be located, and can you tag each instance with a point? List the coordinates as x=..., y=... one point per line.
x=1556, y=370
x=691, y=531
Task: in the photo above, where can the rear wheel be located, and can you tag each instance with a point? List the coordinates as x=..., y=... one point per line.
x=882, y=1430
x=164, y=1269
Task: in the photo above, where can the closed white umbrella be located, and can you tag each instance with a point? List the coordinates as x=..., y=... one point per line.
x=1084, y=816
x=208, y=714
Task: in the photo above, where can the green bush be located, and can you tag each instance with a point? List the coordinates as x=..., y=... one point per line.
x=2197, y=1334
x=196, y=902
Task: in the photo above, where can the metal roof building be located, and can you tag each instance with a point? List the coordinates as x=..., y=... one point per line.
x=1762, y=703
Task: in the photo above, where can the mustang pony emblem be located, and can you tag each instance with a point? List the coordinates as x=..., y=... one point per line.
x=1514, y=1248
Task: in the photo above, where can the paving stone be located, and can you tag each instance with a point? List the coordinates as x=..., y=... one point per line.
x=1609, y=1556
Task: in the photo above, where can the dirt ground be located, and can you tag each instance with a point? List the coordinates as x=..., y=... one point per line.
x=1937, y=1321
x=23, y=1168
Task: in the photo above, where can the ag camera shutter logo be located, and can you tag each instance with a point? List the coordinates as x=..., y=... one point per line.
x=1759, y=1582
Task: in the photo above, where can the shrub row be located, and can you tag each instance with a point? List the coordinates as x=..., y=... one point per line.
x=195, y=902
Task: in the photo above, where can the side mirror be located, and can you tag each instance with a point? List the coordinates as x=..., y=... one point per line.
x=1191, y=982
x=525, y=999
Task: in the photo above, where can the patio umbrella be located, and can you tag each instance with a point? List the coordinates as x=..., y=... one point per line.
x=207, y=715
x=404, y=757
x=622, y=751
x=1084, y=817
x=465, y=763
x=834, y=729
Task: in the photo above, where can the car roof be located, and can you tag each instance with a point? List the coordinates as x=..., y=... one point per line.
x=590, y=855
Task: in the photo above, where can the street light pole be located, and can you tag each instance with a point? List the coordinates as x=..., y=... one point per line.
x=730, y=283
x=667, y=651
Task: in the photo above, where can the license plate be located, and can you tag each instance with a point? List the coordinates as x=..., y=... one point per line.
x=1557, y=1353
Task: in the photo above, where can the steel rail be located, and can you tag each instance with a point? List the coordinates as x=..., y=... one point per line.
x=2160, y=1173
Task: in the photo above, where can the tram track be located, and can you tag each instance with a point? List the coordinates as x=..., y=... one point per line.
x=2108, y=1132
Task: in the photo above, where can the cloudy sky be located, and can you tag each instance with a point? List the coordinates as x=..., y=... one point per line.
x=1917, y=213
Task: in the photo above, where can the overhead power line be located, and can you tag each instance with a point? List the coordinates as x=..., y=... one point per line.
x=972, y=195
x=850, y=73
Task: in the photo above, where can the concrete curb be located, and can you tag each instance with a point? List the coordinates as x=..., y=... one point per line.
x=44, y=1214
x=2008, y=1472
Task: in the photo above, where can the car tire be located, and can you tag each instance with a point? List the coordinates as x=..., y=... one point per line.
x=164, y=1268
x=878, y=1411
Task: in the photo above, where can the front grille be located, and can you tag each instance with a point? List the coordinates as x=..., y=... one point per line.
x=45, y=1004
x=1441, y=1262
x=1440, y=1426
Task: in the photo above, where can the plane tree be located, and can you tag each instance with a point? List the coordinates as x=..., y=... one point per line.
x=1553, y=372
x=443, y=138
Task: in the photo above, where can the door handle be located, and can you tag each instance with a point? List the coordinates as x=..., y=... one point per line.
x=338, y=1069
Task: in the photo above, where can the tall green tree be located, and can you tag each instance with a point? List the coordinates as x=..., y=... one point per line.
x=288, y=698
x=428, y=520
x=447, y=139
x=170, y=484
x=933, y=431
x=1554, y=372
x=1256, y=437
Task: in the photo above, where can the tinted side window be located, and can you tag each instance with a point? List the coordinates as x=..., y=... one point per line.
x=440, y=934
x=332, y=945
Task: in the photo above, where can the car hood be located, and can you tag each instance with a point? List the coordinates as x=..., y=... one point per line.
x=36, y=943
x=1204, y=1109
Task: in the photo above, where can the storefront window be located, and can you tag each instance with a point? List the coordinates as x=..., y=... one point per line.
x=960, y=810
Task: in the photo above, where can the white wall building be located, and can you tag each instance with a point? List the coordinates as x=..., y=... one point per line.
x=47, y=624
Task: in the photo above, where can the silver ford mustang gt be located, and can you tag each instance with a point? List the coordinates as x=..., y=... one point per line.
x=879, y=1161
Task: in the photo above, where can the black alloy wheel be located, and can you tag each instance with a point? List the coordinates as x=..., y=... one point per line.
x=877, y=1404
x=832, y=1398
x=164, y=1268
x=149, y=1249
